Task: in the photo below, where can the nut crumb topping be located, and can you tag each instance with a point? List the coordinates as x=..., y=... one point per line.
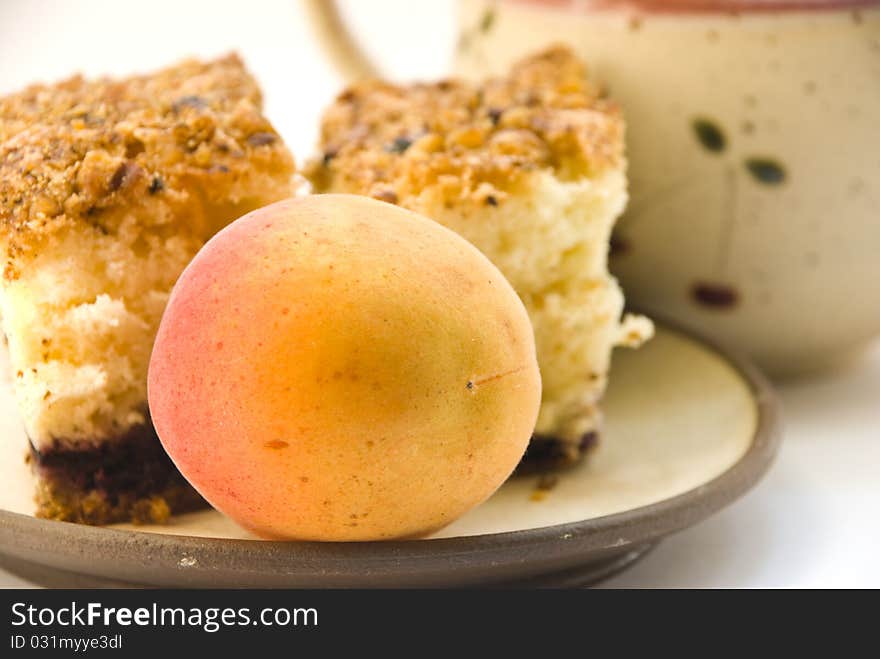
x=72, y=152
x=467, y=141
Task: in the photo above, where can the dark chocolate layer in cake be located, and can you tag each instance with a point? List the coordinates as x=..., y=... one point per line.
x=129, y=478
x=546, y=453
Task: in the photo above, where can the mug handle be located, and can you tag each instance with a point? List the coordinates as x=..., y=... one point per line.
x=338, y=42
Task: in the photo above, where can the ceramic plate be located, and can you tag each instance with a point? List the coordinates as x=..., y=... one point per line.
x=687, y=431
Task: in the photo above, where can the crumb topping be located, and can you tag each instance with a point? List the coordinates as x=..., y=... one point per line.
x=468, y=141
x=73, y=151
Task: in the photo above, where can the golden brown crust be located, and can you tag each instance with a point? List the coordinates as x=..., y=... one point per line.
x=59, y=502
x=73, y=151
x=468, y=141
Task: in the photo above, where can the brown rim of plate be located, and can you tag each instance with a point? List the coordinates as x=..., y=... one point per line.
x=175, y=560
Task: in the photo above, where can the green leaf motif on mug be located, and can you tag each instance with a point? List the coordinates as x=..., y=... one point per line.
x=709, y=134
x=766, y=170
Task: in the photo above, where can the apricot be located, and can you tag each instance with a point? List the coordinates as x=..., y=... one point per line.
x=337, y=368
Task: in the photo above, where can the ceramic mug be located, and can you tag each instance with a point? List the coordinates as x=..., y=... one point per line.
x=754, y=155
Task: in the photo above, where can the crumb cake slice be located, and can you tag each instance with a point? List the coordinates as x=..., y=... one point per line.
x=107, y=189
x=530, y=168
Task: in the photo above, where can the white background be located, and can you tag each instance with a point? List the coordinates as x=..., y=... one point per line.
x=813, y=522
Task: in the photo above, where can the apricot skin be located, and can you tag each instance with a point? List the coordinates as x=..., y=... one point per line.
x=337, y=368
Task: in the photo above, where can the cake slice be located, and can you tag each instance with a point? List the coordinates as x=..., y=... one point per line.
x=530, y=168
x=107, y=189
